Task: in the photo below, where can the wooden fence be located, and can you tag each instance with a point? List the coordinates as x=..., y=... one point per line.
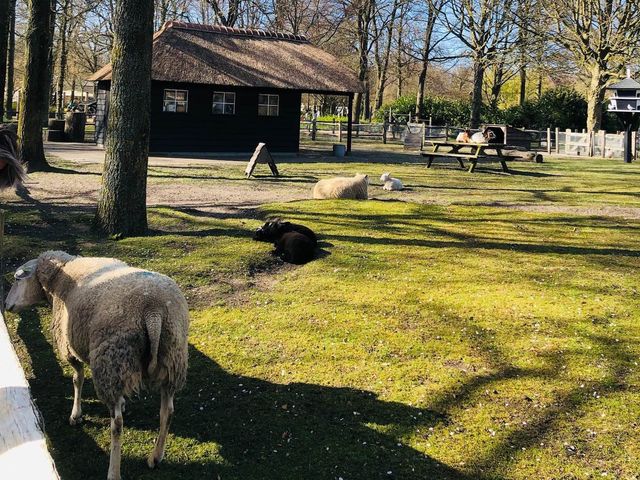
x=414, y=135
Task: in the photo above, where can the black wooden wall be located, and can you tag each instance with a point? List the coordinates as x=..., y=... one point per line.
x=199, y=130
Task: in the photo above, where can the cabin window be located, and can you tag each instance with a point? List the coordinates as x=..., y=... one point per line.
x=224, y=103
x=176, y=101
x=268, y=105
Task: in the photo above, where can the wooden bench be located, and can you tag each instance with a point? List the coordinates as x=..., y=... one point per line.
x=476, y=152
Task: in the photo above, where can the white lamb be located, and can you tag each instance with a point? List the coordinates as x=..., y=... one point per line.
x=129, y=325
x=342, y=187
x=390, y=183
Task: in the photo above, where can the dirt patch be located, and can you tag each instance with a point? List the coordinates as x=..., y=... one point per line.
x=236, y=291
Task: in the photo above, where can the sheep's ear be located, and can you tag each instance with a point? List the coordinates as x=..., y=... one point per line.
x=26, y=271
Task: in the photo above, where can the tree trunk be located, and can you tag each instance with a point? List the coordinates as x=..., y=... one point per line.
x=50, y=63
x=476, y=94
x=35, y=93
x=496, y=87
x=383, y=66
x=122, y=209
x=399, y=59
x=595, y=97
x=5, y=16
x=62, y=66
x=523, y=85
x=426, y=54
x=11, y=54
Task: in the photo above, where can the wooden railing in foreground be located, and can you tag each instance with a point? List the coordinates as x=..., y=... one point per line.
x=23, y=449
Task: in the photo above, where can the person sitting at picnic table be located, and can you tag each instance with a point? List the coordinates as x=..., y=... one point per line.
x=464, y=136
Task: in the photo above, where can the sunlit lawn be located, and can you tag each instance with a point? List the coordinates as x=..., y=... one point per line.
x=461, y=339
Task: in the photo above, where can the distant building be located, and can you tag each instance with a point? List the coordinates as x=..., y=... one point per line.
x=221, y=89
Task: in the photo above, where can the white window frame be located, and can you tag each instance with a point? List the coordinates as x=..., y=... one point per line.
x=269, y=105
x=224, y=103
x=175, y=101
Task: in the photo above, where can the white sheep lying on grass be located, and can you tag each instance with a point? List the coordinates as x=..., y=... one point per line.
x=342, y=187
x=390, y=183
x=129, y=325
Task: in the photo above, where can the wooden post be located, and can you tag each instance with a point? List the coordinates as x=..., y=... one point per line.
x=549, y=141
x=633, y=144
x=446, y=132
x=557, y=140
x=1, y=261
x=567, y=140
x=340, y=132
x=384, y=132
x=591, y=147
x=314, y=128
x=603, y=143
x=349, y=123
x=424, y=131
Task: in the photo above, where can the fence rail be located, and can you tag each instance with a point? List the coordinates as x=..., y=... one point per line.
x=414, y=135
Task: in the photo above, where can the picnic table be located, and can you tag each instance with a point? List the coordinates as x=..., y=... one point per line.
x=473, y=152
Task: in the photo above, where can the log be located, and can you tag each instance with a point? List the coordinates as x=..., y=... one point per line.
x=74, y=123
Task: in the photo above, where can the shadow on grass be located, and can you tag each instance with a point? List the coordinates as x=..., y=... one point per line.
x=75, y=452
x=263, y=429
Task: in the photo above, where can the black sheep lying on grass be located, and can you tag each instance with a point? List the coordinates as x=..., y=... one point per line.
x=294, y=243
x=294, y=247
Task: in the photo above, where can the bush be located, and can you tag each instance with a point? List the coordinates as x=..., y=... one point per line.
x=559, y=107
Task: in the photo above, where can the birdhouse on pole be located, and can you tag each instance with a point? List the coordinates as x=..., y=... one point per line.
x=625, y=102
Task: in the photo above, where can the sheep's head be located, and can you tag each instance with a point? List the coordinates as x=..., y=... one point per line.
x=385, y=177
x=270, y=230
x=362, y=176
x=26, y=290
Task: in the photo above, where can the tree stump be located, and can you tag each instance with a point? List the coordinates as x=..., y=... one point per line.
x=74, y=123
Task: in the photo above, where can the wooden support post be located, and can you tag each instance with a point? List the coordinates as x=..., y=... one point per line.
x=549, y=141
x=633, y=144
x=592, y=142
x=557, y=140
x=340, y=132
x=567, y=141
x=314, y=128
x=385, y=125
x=603, y=143
x=424, y=131
x=446, y=133
x=349, y=123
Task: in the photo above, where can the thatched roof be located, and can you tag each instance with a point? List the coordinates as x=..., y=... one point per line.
x=218, y=55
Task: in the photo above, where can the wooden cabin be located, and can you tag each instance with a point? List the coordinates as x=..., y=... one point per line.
x=221, y=89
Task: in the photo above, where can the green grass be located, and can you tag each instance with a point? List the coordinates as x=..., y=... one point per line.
x=461, y=339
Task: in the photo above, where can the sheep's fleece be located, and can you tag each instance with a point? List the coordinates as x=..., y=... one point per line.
x=342, y=187
x=130, y=326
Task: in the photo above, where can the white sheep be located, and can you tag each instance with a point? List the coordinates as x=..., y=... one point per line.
x=342, y=187
x=390, y=183
x=129, y=325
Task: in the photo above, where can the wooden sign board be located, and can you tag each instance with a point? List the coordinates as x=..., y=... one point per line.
x=261, y=155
